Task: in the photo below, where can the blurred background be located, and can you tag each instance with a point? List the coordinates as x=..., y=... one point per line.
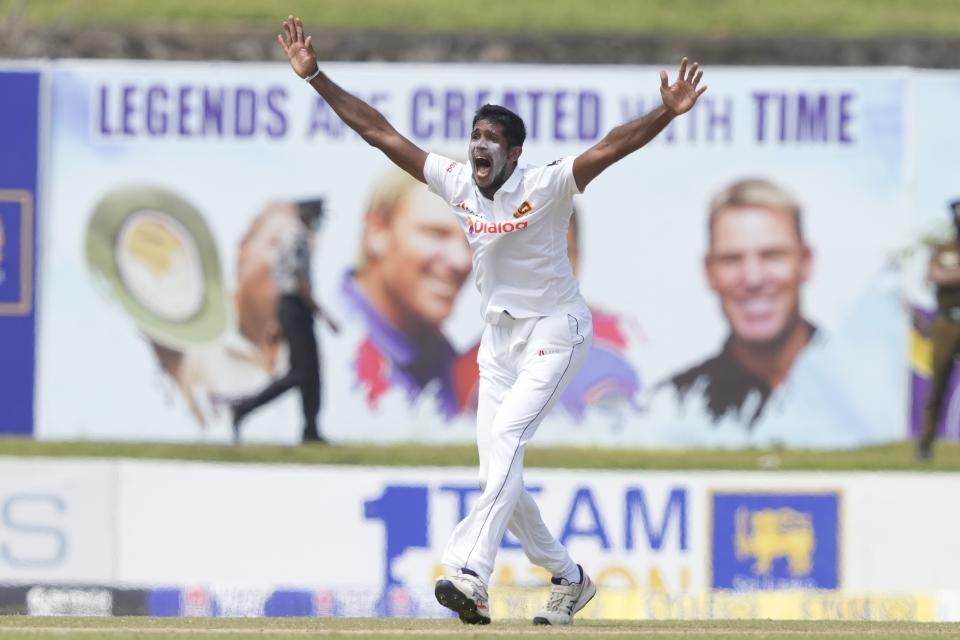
x=160, y=158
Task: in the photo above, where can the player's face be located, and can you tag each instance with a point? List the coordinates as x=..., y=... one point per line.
x=756, y=266
x=490, y=155
x=426, y=258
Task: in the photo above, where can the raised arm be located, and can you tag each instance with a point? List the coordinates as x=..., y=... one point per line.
x=359, y=116
x=678, y=98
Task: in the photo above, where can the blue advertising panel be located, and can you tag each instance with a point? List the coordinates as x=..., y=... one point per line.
x=776, y=541
x=19, y=118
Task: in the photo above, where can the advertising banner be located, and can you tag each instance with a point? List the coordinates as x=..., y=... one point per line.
x=205, y=539
x=231, y=540
x=779, y=323
x=19, y=158
x=56, y=522
x=72, y=600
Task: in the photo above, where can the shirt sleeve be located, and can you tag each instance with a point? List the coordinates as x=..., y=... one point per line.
x=442, y=175
x=559, y=176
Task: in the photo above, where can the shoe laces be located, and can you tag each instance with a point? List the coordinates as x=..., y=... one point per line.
x=561, y=597
x=479, y=589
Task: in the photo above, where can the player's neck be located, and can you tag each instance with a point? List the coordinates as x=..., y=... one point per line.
x=489, y=191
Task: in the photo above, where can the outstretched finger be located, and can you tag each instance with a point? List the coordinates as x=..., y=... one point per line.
x=693, y=71
x=299, y=30
x=701, y=90
x=283, y=44
x=663, y=79
x=308, y=42
x=696, y=78
x=683, y=69
x=287, y=36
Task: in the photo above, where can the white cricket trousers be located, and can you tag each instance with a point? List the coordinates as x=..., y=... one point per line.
x=524, y=367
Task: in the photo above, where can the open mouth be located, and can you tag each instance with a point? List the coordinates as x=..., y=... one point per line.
x=482, y=167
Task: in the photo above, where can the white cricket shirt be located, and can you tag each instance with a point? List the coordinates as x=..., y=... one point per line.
x=518, y=239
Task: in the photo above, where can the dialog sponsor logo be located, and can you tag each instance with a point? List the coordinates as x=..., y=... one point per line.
x=477, y=226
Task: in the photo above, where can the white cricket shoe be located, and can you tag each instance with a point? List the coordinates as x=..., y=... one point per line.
x=465, y=594
x=566, y=599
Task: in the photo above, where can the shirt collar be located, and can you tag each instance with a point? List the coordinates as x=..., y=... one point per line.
x=514, y=180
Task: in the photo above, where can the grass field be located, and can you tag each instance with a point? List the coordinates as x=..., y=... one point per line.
x=894, y=457
x=701, y=17
x=364, y=629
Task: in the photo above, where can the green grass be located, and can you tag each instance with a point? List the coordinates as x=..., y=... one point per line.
x=895, y=457
x=700, y=17
x=366, y=629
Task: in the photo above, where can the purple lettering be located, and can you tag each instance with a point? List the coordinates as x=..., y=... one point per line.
x=277, y=126
x=245, y=112
x=213, y=101
x=453, y=118
x=721, y=117
x=421, y=126
x=129, y=108
x=760, y=101
x=510, y=101
x=783, y=117
x=632, y=111
x=157, y=110
x=104, y=120
x=812, y=112
x=325, y=119
x=588, y=122
x=185, y=110
x=844, y=117
x=559, y=115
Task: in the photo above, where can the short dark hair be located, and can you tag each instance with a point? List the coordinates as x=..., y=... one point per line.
x=513, y=128
x=315, y=208
x=312, y=212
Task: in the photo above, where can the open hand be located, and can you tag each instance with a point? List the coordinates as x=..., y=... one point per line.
x=299, y=50
x=680, y=96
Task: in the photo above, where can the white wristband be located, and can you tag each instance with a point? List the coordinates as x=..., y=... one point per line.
x=313, y=75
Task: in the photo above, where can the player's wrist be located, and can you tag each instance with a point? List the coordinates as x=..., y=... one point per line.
x=313, y=75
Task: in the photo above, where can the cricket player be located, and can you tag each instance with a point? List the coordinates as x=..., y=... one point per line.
x=538, y=328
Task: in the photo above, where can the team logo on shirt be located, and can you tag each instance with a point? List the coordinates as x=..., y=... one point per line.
x=477, y=226
x=523, y=209
x=451, y=167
